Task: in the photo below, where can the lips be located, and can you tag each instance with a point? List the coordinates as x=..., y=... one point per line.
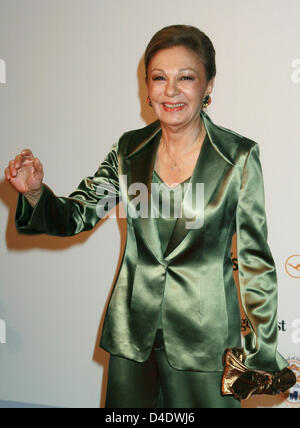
x=173, y=107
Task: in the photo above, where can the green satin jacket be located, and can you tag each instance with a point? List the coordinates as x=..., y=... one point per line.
x=193, y=279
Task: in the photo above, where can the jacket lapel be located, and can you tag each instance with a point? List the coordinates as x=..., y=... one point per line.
x=207, y=177
x=139, y=169
x=208, y=174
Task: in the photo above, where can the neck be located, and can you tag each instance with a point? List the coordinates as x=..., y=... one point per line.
x=182, y=139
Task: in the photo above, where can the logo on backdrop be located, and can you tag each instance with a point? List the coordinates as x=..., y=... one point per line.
x=282, y=327
x=296, y=332
x=2, y=71
x=293, y=396
x=292, y=266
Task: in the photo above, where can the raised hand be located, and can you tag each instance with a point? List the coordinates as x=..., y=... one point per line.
x=25, y=172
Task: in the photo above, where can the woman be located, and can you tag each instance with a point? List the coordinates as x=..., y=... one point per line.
x=174, y=308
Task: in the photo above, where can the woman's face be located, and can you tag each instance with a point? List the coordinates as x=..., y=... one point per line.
x=177, y=85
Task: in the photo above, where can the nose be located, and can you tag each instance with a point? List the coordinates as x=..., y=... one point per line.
x=171, y=88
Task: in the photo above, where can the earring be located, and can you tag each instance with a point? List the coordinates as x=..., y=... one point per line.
x=206, y=101
x=149, y=101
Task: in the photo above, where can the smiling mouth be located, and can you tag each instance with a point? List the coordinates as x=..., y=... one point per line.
x=173, y=107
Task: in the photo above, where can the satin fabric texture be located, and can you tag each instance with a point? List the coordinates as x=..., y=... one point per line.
x=166, y=219
x=155, y=384
x=193, y=278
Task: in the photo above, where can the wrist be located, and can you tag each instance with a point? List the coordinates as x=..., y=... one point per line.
x=33, y=196
x=34, y=192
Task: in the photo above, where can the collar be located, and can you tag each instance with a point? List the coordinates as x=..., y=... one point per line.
x=220, y=138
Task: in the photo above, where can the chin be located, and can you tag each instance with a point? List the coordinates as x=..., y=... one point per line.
x=174, y=121
x=172, y=118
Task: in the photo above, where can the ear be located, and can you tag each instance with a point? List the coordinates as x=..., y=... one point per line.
x=210, y=86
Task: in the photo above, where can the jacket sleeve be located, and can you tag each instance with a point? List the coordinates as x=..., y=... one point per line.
x=257, y=271
x=66, y=216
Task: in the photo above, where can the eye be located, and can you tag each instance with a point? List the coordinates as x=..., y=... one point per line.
x=158, y=78
x=187, y=78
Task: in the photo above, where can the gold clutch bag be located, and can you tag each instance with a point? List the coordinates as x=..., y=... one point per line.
x=242, y=382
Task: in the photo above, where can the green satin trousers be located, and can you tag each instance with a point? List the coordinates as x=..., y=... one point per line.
x=155, y=384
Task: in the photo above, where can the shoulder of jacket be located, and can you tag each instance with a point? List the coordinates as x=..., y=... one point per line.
x=132, y=139
x=238, y=139
x=231, y=144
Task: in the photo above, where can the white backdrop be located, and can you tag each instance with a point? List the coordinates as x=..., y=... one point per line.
x=71, y=82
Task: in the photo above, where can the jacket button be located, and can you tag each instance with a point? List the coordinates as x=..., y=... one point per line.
x=164, y=265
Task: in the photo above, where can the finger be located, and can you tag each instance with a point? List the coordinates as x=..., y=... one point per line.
x=7, y=174
x=27, y=152
x=18, y=161
x=37, y=164
x=12, y=170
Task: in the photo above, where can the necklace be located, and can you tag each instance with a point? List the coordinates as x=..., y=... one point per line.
x=174, y=164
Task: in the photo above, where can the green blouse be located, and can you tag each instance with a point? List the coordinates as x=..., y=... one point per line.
x=166, y=214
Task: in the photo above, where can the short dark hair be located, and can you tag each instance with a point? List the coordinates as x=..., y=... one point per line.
x=189, y=37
